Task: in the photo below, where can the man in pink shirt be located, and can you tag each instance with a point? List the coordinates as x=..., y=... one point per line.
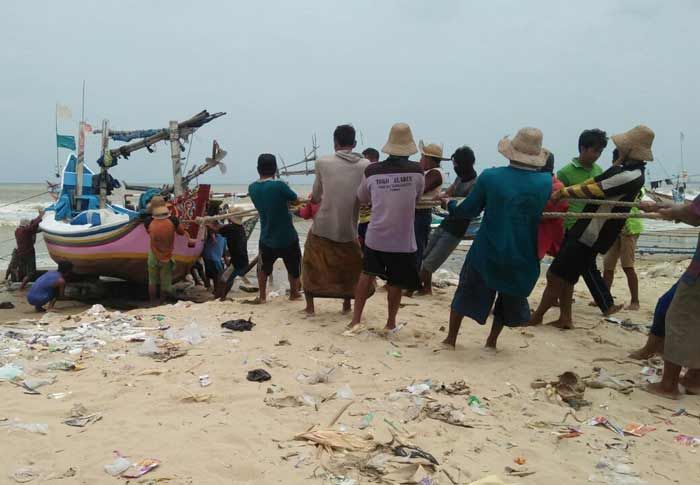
x=392, y=187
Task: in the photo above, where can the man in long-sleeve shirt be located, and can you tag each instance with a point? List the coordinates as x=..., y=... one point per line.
x=590, y=237
x=25, y=237
x=502, y=266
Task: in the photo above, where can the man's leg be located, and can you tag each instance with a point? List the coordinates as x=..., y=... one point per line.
x=364, y=285
x=566, y=320
x=655, y=342
x=691, y=381
x=455, y=324
x=552, y=293
x=153, y=277
x=668, y=387
x=310, y=309
x=166, y=280
x=426, y=278
x=598, y=287
x=262, y=285
x=609, y=277
x=294, y=288
x=633, y=283
x=393, y=298
x=347, y=306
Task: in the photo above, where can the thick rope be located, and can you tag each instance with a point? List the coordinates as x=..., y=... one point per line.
x=601, y=215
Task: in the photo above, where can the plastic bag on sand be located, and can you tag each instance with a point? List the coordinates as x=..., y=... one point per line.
x=118, y=466
x=190, y=334
x=96, y=309
x=148, y=347
x=344, y=392
x=39, y=428
x=10, y=372
x=322, y=376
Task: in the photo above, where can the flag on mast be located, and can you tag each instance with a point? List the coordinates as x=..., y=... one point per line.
x=63, y=112
x=65, y=141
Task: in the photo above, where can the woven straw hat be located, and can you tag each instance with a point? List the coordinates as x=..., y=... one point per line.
x=158, y=208
x=635, y=143
x=400, y=141
x=431, y=150
x=525, y=147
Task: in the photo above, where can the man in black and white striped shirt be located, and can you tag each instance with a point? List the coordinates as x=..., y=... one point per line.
x=590, y=237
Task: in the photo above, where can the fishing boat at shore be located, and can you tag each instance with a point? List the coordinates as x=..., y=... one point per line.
x=102, y=238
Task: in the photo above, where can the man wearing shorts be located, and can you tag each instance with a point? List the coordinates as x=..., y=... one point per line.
x=278, y=238
x=392, y=187
x=502, y=266
x=624, y=249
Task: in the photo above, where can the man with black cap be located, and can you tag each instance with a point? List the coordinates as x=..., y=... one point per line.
x=278, y=238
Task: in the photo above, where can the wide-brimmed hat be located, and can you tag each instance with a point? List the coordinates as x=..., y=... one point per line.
x=158, y=208
x=431, y=150
x=635, y=143
x=525, y=147
x=400, y=143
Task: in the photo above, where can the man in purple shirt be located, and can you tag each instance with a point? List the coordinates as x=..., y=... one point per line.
x=392, y=187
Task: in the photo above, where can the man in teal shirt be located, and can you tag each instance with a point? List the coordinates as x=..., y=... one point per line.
x=502, y=266
x=278, y=238
x=591, y=144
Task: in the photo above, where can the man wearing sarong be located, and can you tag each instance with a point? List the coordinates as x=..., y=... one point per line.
x=681, y=344
x=25, y=237
x=332, y=259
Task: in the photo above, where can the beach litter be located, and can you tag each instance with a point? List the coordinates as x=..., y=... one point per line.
x=687, y=440
x=447, y=413
x=38, y=428
x=6, y=305
x=639, y=430
x=82, y=421
x=456, y=388
x=204, y=380
x=239, y=325
x=414, y=452
x=611, y=470
x=322, y=376
x=123, y=467
x=477, y=406
x=603, y=421
x=10, y=372
x=258, y=375
x=24, y=475
x=602, y=379
x=344, y=392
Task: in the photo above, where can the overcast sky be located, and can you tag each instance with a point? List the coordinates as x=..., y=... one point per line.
x=459, y=72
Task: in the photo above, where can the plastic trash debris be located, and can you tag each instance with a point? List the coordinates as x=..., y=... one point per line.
x=24, y=475
x=568, y=432
x=448, y=414
x=310, y=400
x=96, y=309
x=395, y=353
x=366, y=420
x=419, y=388
x=34, y=384
x=322, y=376
x=687, y=440
x=603, y=421
x=82, y=421
x=140, y=468
x=9, y=372
x=148, y=347
x=258, y=375
x=639, y=430
x=455, y=388
x=204, y=380
x=58, y=395
x=477, y=406
x=118, y=466
x=39, y=428
x=239, y=325
x=414, y=452
x=65, y=365
x=190, y=333
x=344, y=392
x=6, y=305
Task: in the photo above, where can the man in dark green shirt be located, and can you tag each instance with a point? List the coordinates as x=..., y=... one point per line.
x=278, y=238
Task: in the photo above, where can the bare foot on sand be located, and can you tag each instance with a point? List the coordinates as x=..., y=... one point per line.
x=563, y=324
x=653, y=346
x=659, y=389
x=534, y=322
x=634, y=306
x=691, y=381
x=444, y=345
x=613, y=310
x=255, y=301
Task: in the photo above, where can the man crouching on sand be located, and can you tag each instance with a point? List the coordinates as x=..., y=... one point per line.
x=590, y=237
x=502, y=265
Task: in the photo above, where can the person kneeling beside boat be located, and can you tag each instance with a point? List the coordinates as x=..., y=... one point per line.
x=49, y=287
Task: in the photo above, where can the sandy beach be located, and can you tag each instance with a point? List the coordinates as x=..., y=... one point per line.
x=236, y=435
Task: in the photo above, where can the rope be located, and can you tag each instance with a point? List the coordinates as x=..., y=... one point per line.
x=600, y=215
x=22, y=200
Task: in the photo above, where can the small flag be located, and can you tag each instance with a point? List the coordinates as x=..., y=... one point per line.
x=65, y=141
x=63, y=112
x=87, y=127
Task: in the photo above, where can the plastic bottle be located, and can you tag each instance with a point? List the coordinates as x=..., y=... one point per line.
x=118, y=466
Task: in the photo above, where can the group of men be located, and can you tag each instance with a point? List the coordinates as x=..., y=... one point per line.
x=372, y=219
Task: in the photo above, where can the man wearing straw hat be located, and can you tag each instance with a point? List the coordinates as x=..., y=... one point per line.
x=502, y=266
x=592, y=236
x=392, y=187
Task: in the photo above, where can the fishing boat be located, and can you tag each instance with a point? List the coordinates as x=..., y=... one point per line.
x=102, y=238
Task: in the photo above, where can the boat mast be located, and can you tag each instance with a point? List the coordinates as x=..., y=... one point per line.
x=103, y=171
x=176, y=158
x=81, y=153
